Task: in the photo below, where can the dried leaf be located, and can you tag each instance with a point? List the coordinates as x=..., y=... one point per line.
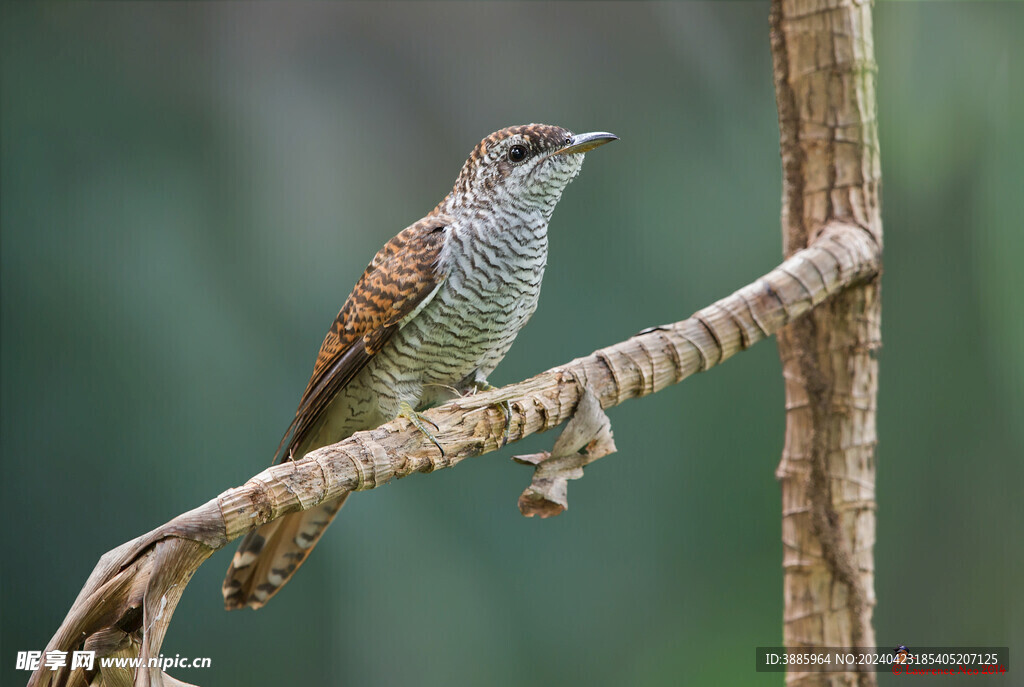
x=586, y=437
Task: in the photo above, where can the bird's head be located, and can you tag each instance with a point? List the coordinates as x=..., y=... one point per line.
x=524, y=167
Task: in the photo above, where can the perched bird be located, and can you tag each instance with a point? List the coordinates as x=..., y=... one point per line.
x=432, y=315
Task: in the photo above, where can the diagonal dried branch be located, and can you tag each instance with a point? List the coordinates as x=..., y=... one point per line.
x=131, y=595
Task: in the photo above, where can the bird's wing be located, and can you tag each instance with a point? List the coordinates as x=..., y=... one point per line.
x=402, y=277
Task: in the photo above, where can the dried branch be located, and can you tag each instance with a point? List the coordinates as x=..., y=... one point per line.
x=824, y=68
x=132, y=593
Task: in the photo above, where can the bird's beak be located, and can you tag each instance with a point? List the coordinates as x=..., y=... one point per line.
x=581, y=143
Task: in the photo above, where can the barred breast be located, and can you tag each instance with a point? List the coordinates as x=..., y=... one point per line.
x=492, y=289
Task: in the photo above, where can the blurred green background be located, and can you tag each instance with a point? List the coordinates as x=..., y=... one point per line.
x=190, y=190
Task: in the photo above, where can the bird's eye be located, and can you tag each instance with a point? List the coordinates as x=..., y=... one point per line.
x=517, y=153
x=568, y=140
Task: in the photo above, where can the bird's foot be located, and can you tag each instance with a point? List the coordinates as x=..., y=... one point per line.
x=420, y=421
x=479, y=385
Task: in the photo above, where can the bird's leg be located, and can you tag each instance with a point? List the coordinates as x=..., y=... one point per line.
x=480, y=384
x=419, y=421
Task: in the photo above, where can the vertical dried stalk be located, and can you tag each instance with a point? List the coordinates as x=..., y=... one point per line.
x=825, y=88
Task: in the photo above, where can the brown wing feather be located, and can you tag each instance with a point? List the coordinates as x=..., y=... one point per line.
x=397, y=280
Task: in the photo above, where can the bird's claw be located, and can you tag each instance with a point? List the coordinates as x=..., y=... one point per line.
x=420, y=421
x=506, y=408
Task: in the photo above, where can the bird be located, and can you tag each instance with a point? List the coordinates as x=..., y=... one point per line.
x=430, y=318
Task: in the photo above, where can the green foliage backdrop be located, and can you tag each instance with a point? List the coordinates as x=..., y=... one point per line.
x=189, y=191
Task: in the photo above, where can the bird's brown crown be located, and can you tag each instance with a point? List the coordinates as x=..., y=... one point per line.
x=540, y=137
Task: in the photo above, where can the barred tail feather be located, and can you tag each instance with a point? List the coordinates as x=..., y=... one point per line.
x=270, y=555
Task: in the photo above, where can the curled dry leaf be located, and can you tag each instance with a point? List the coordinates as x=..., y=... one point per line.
x=586, y=437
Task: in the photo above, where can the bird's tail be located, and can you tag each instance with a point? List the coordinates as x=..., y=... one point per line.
x=270, y=555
